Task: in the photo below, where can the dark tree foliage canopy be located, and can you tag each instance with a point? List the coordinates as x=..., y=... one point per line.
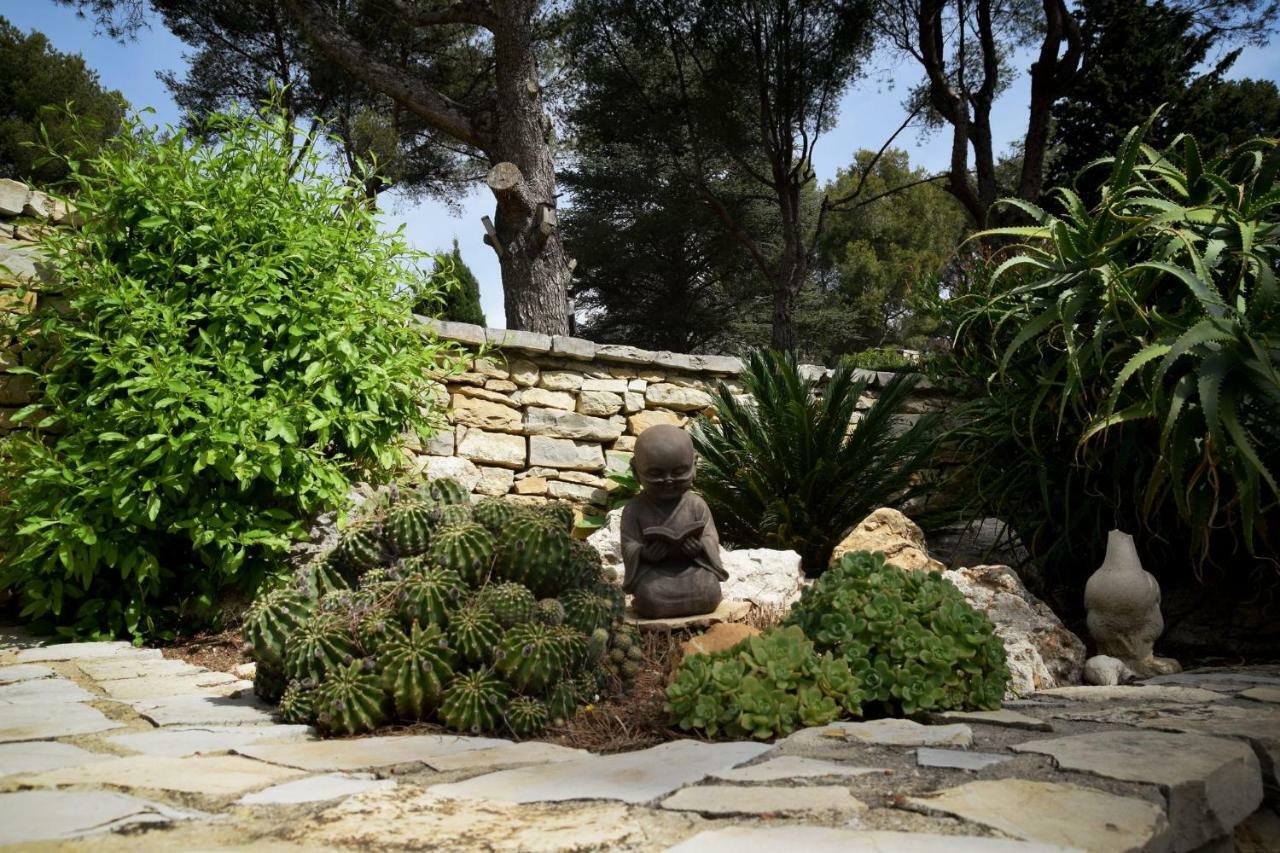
x=730, y=96
x=36, y=84
x=1139, y=56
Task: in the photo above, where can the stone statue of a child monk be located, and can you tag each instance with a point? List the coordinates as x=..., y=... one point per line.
x=670, y=548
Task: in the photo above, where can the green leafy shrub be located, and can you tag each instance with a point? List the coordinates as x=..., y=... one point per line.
x=1126, y=365
x=447, y=633
x=765, y=686
x=789, y=473
x=881, y=358
x=911, y=640
x=237, y=346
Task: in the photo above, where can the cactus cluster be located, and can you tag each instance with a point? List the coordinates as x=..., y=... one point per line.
x=487, y=619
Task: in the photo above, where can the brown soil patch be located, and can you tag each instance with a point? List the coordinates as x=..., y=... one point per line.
x=220, y=651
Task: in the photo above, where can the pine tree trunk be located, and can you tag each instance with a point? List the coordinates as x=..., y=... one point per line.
x=535, y=272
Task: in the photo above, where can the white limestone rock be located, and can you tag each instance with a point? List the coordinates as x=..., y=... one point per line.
x=1042, y=653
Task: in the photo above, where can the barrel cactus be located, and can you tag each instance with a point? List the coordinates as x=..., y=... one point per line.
x=490, y=619
x=407, y=529
x=527, y=716
x=351, y=701
x=465, y=548
x=474, y=702
x=415, y=669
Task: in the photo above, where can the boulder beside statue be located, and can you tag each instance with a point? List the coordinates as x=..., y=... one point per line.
x=670, y=548
x=1123, y=604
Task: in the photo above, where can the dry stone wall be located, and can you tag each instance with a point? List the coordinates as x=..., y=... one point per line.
x=24, y=214
x=549, y=417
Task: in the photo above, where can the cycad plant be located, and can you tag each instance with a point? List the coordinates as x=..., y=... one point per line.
x=1140, y=340
x=788, y=468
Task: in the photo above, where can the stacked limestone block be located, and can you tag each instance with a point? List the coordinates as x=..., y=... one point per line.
x=24, y=215
x=549, y=417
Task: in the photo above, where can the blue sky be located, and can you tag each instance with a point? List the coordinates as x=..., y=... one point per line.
x=868, y=113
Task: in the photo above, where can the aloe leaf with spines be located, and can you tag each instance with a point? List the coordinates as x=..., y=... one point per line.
x=1163, y=379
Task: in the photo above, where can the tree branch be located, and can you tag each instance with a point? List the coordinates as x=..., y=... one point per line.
x=431, y=106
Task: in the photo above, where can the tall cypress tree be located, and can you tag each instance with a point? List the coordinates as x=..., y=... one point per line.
x=461, y=302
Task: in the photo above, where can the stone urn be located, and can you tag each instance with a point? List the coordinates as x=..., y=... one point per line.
x=1123, y=603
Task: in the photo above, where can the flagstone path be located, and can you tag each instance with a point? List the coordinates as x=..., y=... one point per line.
x=108, y=747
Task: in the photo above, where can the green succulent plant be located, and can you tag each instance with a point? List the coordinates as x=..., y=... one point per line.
x=466, y=548
x=415, y=669
x=407, y=529
x=438, y=637
x=527, y=716
x=474, y=632
x=911, y=639
x=351, y=700
x=428, y=595
x=321, y=645
x=297, y=704
x=474, y=702
x=511, y=603
x=495, y=514
x=764, y=687
x=269, y=621
x=446, y=491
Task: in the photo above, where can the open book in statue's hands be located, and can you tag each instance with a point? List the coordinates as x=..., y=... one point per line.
x=674, y=536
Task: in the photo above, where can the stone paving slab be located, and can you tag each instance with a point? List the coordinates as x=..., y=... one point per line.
x=1003, y=717
x=888, y=732
x=1134, y=693
x=1053, y=813
x=632, y=777
x=1211, y=784
x=815, y=839
x=38, y=756
x=1257, y=694
x=315, y=789
x=794, y=767
x=36, y=721
x=760, y=800
x=162, y=687
x=179, y=741
x=509, y=755
x=958, y=759
x=406, y=818
x=29, y=816
x=24, y=672
x=184, y=710
x=85, y=651
x=324, y=756
x=214, y=776
x=117, y=668
x=44, y=691
x=113, y=669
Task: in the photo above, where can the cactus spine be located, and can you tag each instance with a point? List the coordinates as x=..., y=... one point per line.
x=532, y=657
x=407, y=530
x=473, y=632
x=526, y=716
x=511, y=603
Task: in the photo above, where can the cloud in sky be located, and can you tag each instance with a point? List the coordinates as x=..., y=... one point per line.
x=869, y=112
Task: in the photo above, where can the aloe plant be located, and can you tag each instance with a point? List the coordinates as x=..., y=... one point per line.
x=1149, y=325
x=788, y=471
